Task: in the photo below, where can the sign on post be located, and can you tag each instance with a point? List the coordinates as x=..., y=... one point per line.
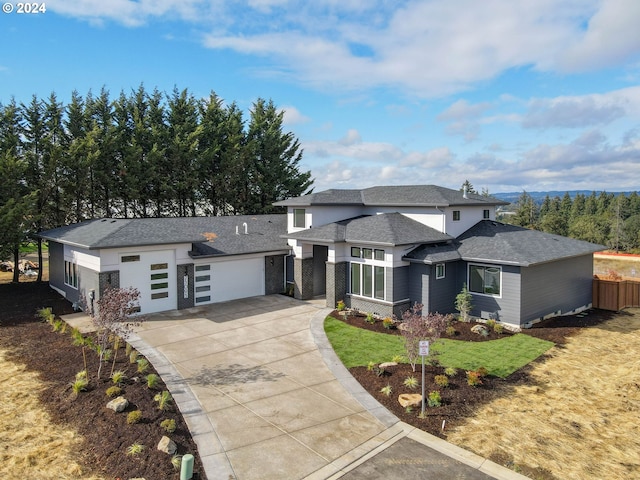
x=424, y=348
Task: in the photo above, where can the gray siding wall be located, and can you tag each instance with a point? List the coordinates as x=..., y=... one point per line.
x=273, y=274
x=397, y=283
x=560, y=286
x=507, y=307
x=419, y=283
x=443, y=291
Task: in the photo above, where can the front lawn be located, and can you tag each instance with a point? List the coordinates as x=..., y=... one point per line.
x=357, y=347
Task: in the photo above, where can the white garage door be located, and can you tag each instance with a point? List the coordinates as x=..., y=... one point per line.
x=222, y=281
x=154, y=274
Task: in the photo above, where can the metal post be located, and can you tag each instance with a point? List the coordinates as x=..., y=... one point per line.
x=423, y=385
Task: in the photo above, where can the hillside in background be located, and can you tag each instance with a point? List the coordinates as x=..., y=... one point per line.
x=538, y=197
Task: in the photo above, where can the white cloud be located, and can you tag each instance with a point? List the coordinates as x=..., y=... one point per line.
x=292, y=116
x=351, y=138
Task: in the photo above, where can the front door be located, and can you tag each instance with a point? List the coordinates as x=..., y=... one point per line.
x=320, y=255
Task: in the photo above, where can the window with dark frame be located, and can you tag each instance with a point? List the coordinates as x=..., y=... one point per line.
x=485, y=279
x=299, y=220
x=485, y=214
x=456, y=215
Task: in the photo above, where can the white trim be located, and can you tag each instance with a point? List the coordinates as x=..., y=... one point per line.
x=444, y=271
x=485, y=265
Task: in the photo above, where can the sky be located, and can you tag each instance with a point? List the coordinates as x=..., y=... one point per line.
x=512, y=95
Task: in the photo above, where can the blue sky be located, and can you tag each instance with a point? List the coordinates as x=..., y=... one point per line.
x=510, y=94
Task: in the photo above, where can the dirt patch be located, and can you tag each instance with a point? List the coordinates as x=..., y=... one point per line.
x=102, y=436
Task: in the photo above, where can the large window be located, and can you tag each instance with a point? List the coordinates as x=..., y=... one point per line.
x=71, y=274
x=367, y=279
x=485, y=279
x=299, y=220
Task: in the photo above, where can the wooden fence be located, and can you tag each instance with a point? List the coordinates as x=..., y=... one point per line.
x=615, y=294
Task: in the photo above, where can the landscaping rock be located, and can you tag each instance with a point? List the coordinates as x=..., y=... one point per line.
x=480, y=330
x=388, y=364
x=167, y=445
x=410, y=399
x=118, y=404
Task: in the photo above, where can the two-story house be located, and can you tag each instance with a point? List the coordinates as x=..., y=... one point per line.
x=378, y=249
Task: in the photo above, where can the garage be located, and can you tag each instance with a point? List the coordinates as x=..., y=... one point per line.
x=229, y=280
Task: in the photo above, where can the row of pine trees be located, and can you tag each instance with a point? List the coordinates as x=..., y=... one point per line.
x=142, y=154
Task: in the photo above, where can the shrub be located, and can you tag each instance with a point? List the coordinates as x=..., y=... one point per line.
x=135, y=449
x=482, y=371
x=341, y=305
x=133, y=357
x=152, y=380
x=498, y=328
x=371, y=366
x=450, y=331
x=387, y=323
x=434, y=399
x=164, y=400
x=143, y=365
x=169, y=425
x=176, y=461
x=134, y=417
x=398, y=359
x=473, y=378
x=450, y=371
x=386, y=390
x=118, y=377
x=46, y=315
x=113, y=391
x=79, y=385
x=370, y=319
x=57, y=325
x=411, y=382
x=463, y=303
x=441, y=381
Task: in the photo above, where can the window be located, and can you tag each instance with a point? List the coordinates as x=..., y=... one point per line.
x=355, y=252
x=378, y=254
x=299, y=218
x=71, y=274
x=203, y=268
x=159, y=266
x=159, y=276
x=355, y=278
x=485, y=279
x=485, y=214
x=367, y=253
x=130, y=258
x=367, y=280
x=439, y=270
x=456, y=215
x=156, y=296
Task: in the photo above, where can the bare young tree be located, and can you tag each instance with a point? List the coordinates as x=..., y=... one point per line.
x=416, y=327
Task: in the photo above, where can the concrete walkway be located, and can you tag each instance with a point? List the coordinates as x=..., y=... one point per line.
x=265, y=397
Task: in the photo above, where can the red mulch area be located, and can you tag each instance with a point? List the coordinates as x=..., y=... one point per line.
x=106, y=434
x=459, y=400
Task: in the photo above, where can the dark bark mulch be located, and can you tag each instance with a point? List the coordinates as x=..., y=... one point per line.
x=106, y=433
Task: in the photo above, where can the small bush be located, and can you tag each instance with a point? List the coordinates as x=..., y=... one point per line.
x=135, y=449
x=143, y=365
x=498, y=328
x=106, y=356
x=450, y=331
x=81, y=375
x=57, y=325
x=450, y=371
x=152, y=380
x=491, y=323
x=434, y=399
x=370, y=319
x=387, y=323
x=386, y=391
x=118, y=377
x=169, y=425
x=411, y=382
x=114, y=391
x=441, y=381
x=79, y=385
x=133, y=357
x=341, y=305
x=398, y=359
x=176, y=461
x=134, y=417
x=371, y=366
x=473, y=379
x=482, y=371
x=164, y=400
x=46, y=315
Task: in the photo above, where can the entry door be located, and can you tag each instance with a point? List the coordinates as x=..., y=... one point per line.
x=320, y=255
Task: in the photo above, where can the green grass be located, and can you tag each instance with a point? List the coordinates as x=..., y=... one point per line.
x=357, y=347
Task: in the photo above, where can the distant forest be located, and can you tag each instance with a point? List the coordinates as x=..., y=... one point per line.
x=142, y=154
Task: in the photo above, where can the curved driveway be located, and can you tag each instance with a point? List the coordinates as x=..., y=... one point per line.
x=265, y=397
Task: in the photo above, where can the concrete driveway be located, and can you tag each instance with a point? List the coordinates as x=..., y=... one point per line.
x=265, y=397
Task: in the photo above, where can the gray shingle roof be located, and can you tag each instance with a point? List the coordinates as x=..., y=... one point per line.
x=395, y=195
x=495, y=242
x=435, y=253
x=263, y=233
x=384, y=229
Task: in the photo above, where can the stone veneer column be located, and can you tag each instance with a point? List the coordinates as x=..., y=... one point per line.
x=303, y=278
x=336, y=283
x=108, y=279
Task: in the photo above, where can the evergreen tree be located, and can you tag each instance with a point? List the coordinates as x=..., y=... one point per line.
x=470, y=188
x=527, y=212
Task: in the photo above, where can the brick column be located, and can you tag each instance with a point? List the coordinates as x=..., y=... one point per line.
x=303, y=278
x=336, y=283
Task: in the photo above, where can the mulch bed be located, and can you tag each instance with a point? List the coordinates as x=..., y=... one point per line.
x=106, y=434
x=459, y=400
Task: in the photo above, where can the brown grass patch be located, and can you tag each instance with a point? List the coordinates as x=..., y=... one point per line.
x=578, y=417
x=32, y=444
